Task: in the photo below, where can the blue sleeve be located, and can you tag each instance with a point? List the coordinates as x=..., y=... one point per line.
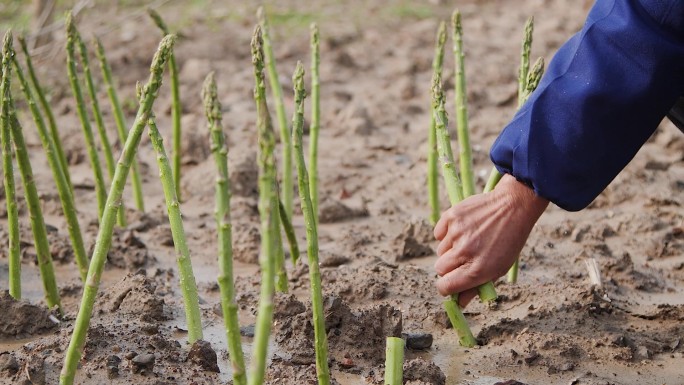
x=603, y=94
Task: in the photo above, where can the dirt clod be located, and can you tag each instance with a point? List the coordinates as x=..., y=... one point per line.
x=21, y=318
x=332, y=211
x=202, y=354
x=143, y=362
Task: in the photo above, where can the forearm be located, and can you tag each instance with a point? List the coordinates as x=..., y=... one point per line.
x=603, y=95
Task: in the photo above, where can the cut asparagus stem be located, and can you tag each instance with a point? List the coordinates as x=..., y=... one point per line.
x=175, y=105
x=219, y=148
x=267, y=211
x=187, y=277
x=100, y=189
x=99, y=123
x=320, y=338
x=48, y=112
x=13, y=251
x=63, y=190
x=455, y=192
x=315, y=119
x=120, y=122
x=433, y=172
x=394, y=361
x=277, y=91
x=104, y=235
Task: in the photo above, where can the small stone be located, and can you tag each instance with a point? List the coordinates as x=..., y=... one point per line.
x=510, y=382
x=143, y=362
x=247, y=331
x=113, y=366
x=418, y=341
x=203, y=355
x=566, y=367
x=130, y=355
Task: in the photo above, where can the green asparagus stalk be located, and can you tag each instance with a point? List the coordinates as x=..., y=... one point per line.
x=465, y=154
x=175, y=105
x=47, y=272
x=531, y=84
x=321, y=342
x=455, y=192
x=433, y=173
x=120, y=122
x=65, y=193
x=48, y=112
x=394, y=361
x=212, y=108
x=99, y=123
x=100, y=189
x=287, y=190
x=289, y=233
x=104, y=236
x=315, y=119
x=8, y=173
x=187, y=278
x=267, y=211
x=486, y=291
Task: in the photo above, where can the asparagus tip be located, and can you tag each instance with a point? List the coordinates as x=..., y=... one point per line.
x=535, y=74
x=210, y=97
x=7, y=44
x=441, y=33
x=456, y=21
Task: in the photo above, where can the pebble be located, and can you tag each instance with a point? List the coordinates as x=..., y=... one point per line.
x=247, y=331
x=113, y=366
x=418, y=341
x=143, y=362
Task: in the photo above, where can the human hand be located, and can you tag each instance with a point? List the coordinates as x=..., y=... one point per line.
x=483, y=235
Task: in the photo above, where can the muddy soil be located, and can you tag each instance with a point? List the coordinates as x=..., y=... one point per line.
x=552, y=327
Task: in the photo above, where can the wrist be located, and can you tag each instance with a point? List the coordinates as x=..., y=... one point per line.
x=522, y=196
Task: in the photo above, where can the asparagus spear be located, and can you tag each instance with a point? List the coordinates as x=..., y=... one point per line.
x=267, y=210
x=120, y=122
x=99, y=123
x=100, y=189
x=455, y=192
x=277, y=91
x=175, y=105
x=321, y=342
x=212, y=108
x=433, y=173
x=465, y=155
x=48, y=112
x=532, y=82
x=65, y=193
x=486, y=292
x=315, y=118
x=187, y=278
x=8, y=173
x=104, y=236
